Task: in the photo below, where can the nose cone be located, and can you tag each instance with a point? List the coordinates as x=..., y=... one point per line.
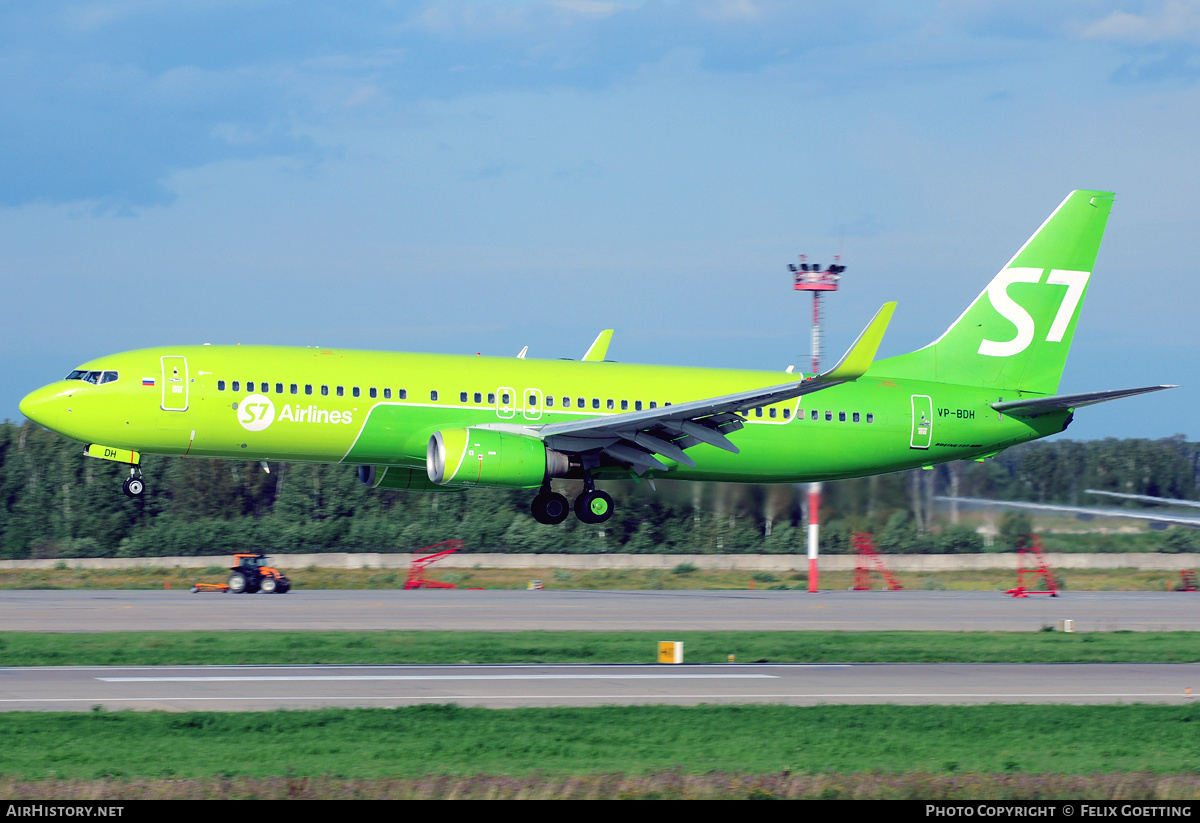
x=46, y=405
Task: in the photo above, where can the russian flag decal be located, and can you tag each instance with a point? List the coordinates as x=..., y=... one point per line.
x=147, y=381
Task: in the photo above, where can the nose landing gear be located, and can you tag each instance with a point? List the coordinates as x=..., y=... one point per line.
x=134, y=486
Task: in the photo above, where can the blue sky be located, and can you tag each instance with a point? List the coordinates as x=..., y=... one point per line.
x=481, y=176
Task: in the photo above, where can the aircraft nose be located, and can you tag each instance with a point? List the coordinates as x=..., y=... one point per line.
x=43, y=405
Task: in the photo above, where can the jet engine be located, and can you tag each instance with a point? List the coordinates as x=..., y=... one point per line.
x=490, y=458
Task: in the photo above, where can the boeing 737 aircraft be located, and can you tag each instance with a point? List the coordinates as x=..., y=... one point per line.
x=438, y=422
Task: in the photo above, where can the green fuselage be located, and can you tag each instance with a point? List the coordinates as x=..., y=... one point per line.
x=379, y=408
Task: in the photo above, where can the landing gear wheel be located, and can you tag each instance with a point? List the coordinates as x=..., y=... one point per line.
x=237, y=583
x=550, y=508
x=593, y=506
x=133, y=487
x=268, y=585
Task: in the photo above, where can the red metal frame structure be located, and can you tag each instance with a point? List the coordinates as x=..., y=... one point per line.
x=416, y=572
x=1030, y=545
x=864, y=550
x=1187, y=581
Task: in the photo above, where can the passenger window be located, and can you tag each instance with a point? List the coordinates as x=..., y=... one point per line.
x=433, y=395
x=478, y=398
x=220, y=385
x=340, y=391
x=653, y=405
x=294, y=389
x=249, y=385
x=237, y=385
x=307, y=388
x=841, y=417
x=828, y=416
x=279, y=388
x=610, y=404
x=870, y=417
x=758, y=412
x=387, y=394
x=856, y=419
x=324, y=391
x=532, y=400
x=402, y=394
x=462, y=397
x=491, y=398
x=355, y=392
x=787, y=413
x=504, y=399
x=549, y=401
x=373, y=393
x=637, y=405
x=566, y=402
x=773, y=411
x=814, y=414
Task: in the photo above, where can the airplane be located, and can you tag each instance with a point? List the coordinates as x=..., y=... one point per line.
x=444, y=422
x=1157, y=520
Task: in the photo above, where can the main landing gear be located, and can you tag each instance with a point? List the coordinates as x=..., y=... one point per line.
x=591, y=506
x=134, y=486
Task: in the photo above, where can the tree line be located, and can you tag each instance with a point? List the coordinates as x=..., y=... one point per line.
x=54, y=502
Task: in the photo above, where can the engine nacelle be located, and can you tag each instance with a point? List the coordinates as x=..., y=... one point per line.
x=490, y=458
x=394, y=477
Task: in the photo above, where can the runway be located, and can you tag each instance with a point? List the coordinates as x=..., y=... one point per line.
x=261, y=688
x=554, y=610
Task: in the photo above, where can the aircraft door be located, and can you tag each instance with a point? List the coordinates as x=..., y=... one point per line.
x=174, y=383
x=533, y=404
x=506, y=402
x=922, y=422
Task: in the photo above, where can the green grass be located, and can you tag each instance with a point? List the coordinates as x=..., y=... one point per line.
x=283, y=647
x=366, y=743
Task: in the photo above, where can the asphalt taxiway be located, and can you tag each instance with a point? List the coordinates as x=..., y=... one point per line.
x=559, y=610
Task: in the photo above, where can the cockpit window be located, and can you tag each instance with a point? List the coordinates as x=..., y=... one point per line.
x=93, y=377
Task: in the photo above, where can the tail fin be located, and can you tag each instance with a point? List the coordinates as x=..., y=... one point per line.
x=1017, y=332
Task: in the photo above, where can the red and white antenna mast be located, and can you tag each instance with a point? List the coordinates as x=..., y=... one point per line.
x=811, y=278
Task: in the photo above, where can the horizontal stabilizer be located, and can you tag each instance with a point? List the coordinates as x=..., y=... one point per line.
x=1033, y=406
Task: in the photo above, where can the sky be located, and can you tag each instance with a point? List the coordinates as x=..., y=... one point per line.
x=464, y=177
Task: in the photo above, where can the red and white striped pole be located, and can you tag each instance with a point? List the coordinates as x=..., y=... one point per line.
x=814, y=534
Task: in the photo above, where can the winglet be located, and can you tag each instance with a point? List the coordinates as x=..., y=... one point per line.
x=858, y=357
x=599, y=348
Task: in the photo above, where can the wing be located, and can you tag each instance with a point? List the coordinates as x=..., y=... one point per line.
x=1157, y=521
x=637, y=439
x=1033, y=406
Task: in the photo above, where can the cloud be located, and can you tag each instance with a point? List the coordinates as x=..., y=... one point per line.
x=1172, y=21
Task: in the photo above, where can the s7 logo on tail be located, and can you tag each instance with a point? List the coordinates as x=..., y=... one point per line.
x=997, y=291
